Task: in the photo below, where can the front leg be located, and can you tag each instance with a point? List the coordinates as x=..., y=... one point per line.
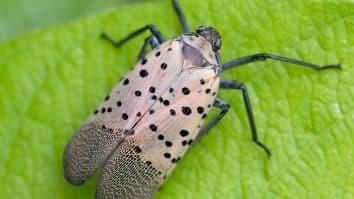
x=154, y=31
x=264, y=56
x=154, y=40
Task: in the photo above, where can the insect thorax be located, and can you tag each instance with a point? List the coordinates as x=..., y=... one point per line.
x=197, y=52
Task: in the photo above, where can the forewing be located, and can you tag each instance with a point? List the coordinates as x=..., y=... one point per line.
x=133, y=96
x=123, y=107
x=137, y=168
x=165, y=135
x=88, y=148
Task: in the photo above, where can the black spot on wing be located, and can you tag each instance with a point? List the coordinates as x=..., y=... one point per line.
x=186, y=110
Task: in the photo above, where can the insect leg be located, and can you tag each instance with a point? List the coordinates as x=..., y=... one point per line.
x=263, y=56
x=230, y=84
x=179, y=12
x=154, y=31
x=152, y=40
x=224, y=108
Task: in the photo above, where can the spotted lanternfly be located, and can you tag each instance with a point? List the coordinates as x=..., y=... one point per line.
x=156, y=112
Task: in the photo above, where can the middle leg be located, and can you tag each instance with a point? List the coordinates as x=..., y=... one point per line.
x=230, y=84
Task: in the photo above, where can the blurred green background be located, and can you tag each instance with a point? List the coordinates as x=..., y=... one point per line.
x=21, y=16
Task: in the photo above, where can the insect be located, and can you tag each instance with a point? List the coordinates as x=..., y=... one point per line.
x=156, y=112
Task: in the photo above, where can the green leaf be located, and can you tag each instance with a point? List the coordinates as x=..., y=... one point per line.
x=51, y=80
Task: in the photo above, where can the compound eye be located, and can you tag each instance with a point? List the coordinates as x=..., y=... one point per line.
x=217, y=44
